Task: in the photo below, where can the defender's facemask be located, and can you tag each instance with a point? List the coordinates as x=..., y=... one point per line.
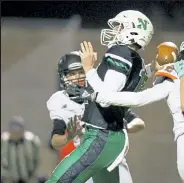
x=76, y=76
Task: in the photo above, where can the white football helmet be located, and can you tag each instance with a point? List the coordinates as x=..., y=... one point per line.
x=128, y=27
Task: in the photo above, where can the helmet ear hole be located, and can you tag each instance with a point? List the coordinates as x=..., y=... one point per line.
x=134, y=33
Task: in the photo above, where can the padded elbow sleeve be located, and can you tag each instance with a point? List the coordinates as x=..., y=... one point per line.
x=59, y=127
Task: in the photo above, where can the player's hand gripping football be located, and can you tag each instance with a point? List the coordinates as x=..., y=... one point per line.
x=88, y=57
x=73, y=128
x=78, y=93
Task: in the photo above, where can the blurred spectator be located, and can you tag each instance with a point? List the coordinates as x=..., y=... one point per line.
x=19, y=152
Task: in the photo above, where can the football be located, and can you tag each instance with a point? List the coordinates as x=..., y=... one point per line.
x=167, y=53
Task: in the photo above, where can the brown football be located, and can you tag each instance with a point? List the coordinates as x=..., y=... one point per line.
x=167, y=53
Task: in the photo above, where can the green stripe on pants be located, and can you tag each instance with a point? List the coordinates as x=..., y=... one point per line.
x=98, y=150
x=104, y=176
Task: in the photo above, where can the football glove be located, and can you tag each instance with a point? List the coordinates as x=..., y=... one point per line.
x=77, y=93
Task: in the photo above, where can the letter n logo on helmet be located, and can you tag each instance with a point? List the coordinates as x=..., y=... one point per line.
x=142, y=24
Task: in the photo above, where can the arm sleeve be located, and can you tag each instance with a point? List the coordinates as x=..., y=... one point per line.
x=116, y=66
x=130, y=116
x=133, y=99
x=59, y=127
x=113, y=81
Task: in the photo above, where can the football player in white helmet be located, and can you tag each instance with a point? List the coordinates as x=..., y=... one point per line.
x=121, y=67
x=105, y=139
x=128, y=28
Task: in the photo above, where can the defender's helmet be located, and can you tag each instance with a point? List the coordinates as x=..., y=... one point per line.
x=69, y=63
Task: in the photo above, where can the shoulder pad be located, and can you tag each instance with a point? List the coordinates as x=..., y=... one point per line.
x=32, y=137
x=119, y=51
x=58, y=95
x=168, y=71
x=28, y=135
x=160, y=79
x=166, y=74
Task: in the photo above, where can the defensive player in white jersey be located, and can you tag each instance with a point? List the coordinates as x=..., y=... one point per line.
x=64, y=108
x=60, y=107
x=166, y=86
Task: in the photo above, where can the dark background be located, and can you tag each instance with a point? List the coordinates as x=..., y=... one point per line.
x=93, y=13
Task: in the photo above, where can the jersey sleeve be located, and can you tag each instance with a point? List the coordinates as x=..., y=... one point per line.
x=59, y=127
x=113, y=80
x=113, y=71
x=57, y=107
x=130, y=116
x=166, y=73
x=136, y=99
x=119, y=58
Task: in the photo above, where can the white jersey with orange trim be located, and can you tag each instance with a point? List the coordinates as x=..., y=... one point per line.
x=167, y=71
x=173, y=99
x=166, y=86
x=61, y=107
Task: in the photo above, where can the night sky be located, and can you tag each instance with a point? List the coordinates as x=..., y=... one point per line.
x=91, y=11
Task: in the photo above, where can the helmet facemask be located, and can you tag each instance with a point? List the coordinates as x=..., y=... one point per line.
x=109, y=36
x=121, y=33
x=75, y=77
